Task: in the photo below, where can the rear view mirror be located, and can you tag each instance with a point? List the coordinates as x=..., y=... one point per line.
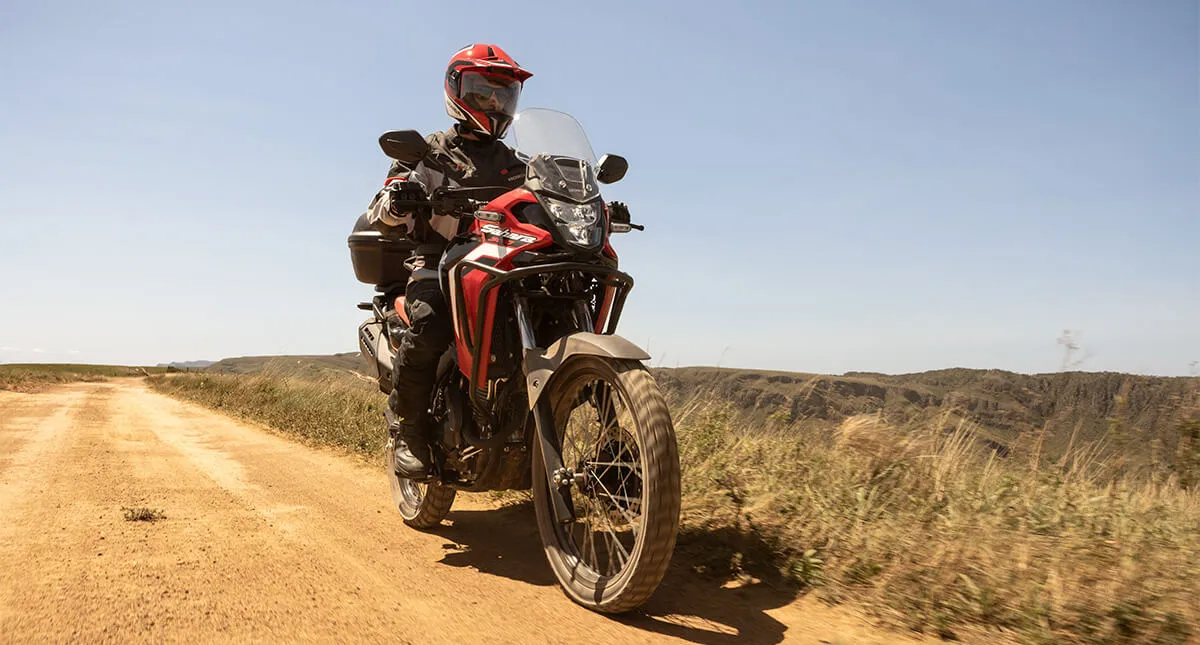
x=407, y=146
x=611, y=169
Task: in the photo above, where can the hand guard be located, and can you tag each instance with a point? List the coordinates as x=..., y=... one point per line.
x=402, y=194
x=619, y=212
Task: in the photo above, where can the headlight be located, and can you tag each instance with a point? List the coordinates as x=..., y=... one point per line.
x=582, y=224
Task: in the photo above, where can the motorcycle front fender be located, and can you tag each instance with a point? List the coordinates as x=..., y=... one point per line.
x=540, y=365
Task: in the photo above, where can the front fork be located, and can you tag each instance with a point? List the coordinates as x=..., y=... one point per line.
x=558, y=478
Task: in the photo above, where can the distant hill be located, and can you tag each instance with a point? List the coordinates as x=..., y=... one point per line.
x=1133, y=414
x=187, y=364
x=349, y=365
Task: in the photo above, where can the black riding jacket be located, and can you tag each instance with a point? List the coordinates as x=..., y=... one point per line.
x=453, y=160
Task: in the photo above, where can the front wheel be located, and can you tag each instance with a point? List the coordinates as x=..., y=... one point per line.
x=422, y=505
x=617, y=437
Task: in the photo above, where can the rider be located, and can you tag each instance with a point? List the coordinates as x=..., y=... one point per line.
x=482, y=87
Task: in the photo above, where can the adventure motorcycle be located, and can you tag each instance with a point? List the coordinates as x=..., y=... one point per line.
x=537, y=391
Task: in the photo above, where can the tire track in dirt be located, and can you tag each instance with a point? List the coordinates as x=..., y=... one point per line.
x=269, y=540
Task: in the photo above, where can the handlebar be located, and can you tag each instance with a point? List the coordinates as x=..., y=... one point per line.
x=455, y=202
x=455, y=206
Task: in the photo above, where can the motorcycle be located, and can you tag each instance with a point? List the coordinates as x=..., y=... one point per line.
x=537, y=391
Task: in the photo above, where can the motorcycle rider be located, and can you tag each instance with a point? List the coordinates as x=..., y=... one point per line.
x=482, y=86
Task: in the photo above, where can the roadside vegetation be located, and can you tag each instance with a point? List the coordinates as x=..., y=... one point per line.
x=330, y=410
x=143, y=514
x=921, y=524
x=931, y=530
x=29, y=377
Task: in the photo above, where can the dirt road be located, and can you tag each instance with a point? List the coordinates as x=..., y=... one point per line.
x=269, y=540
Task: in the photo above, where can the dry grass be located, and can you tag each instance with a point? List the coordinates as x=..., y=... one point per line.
x=918, y=523
x=328, y=411
x=143, y=514
x=932, y=532
x=31, y=377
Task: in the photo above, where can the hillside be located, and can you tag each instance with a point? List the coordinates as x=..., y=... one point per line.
x=1129, y=412
x=345, y=365
x=187, y=364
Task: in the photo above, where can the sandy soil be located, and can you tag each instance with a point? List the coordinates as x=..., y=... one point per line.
x=269, y=540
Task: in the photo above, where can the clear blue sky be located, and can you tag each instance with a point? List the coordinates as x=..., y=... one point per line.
x=827, y=186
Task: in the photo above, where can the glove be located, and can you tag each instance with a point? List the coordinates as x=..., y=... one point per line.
x=401, y=194
x=619, y=212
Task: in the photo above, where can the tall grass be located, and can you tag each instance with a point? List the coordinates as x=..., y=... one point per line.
x=329, y=410
x=927, y=528
x=918, y=523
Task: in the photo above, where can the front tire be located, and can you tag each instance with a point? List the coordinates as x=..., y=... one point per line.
x=423, y=505
x=616, y=433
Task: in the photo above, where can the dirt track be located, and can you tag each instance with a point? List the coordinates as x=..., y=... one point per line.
x=269, y=540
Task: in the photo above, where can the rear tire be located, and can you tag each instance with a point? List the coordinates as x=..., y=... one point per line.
x=423, y=505
x=628, y=476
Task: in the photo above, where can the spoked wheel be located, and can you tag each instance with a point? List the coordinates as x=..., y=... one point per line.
x=422, y=505
x=617, y=437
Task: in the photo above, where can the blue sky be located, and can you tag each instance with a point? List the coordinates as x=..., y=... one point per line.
x=827, y=186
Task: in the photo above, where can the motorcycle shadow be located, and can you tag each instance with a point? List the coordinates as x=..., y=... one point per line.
x=693, y=606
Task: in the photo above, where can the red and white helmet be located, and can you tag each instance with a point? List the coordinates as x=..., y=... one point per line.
x=483, y=84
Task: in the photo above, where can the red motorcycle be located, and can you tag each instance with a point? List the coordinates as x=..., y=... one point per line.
x=537, y=391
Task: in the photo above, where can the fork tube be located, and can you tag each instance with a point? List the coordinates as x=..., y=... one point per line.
x=523, y=324
x=585, y=316
x=543, y=418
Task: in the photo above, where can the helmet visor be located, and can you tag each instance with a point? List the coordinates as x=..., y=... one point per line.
x=489, y=93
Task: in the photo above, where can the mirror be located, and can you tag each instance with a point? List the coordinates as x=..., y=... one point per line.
x=611, y=168
x=407, y=146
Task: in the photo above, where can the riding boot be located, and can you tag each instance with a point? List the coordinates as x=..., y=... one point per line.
x=415, y=369
x=413, y=453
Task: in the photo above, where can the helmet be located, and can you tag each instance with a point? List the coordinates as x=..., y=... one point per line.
x=483, y=84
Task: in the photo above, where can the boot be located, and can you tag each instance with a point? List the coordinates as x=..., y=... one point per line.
x=414, y=455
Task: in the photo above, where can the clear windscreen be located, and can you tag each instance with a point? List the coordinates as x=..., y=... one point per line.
x=538, y=131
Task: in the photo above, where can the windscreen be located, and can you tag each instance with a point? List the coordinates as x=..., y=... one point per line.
x=538, y=131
